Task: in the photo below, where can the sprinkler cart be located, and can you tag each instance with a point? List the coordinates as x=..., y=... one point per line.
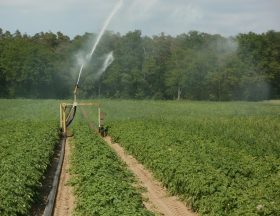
x=68, y=112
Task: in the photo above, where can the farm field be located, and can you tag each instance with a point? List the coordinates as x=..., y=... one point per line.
x=28, y=135
x=163, y=108
x=221, y=158
x=103, y=185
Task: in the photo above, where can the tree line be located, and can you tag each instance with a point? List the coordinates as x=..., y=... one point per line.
x=193, y=65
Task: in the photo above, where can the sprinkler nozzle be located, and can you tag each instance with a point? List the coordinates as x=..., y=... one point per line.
x=76, y=88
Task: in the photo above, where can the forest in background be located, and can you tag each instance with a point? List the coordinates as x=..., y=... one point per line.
x=194, y=65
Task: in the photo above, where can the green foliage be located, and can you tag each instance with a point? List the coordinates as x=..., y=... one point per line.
x=195, y=65
x=27, y=139
x=221, y=158
x=16, y=110
x=103, y=186
x=25, y=155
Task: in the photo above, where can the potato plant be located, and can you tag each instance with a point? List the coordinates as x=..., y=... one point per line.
x=103, y=185
x=219, y=166
x=25, y=151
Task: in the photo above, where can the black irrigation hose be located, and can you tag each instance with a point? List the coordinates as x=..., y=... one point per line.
x=69, y=121
x=52, y=195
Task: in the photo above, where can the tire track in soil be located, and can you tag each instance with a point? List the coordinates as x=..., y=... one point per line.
x=65, y=200
x=159, y=201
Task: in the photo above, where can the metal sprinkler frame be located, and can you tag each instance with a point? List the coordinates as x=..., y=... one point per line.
x=68, y=112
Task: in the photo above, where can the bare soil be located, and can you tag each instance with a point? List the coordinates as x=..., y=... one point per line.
x=65, y=200
x=158, y=199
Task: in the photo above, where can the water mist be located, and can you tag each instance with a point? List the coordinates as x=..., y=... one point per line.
x=109, y=58
x=107, y=22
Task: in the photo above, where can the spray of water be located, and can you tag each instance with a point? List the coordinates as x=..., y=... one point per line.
x=107, y=22
x=81, y=69
x=109, y=58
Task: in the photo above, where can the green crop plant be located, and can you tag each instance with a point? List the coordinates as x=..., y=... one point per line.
x=28, y=135
x=221, y=158
x=103, y=185
x=25, y=151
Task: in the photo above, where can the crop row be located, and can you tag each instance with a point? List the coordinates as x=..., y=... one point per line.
x=102, y=183
x=25, y=151
x=219, y=167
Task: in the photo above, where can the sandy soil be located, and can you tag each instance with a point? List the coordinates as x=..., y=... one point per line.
x=155, y=197
x=65, y=199
x=158, y=199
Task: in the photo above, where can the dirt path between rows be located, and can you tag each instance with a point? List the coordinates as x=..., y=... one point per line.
x=158, y=199
x=65, y=199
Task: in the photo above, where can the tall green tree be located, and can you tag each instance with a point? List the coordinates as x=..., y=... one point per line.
x=193, y=65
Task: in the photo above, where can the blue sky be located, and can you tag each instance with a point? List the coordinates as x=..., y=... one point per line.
x=72, y=17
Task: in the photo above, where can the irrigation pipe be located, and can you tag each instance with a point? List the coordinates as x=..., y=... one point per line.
x=52, y=195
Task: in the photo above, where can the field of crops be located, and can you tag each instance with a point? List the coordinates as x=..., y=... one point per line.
x=221, y=158
x=28, y=135
x=103, y=186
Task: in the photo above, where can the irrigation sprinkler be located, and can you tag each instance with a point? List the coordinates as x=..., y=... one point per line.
x=68, y=113
x=67, y=110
